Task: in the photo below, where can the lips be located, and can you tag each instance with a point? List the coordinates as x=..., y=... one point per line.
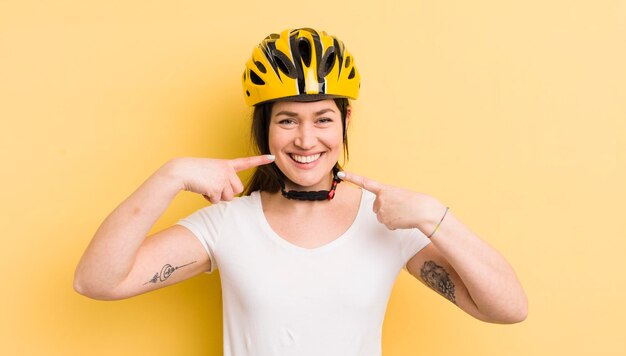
x=305, y=159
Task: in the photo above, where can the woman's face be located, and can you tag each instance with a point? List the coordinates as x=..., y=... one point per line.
x=306, y=138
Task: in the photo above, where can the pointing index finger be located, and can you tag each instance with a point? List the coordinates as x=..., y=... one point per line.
x=241, y=164
x=363, y=182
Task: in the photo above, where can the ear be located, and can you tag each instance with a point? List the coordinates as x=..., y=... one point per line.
x=348, y=116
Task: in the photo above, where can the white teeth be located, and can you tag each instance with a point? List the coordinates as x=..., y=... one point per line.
x=305, y=159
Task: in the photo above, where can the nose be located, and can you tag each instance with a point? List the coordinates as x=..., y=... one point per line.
x=305, y=138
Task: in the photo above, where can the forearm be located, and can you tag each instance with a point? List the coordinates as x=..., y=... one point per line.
x=488, y=277
x=110, y=256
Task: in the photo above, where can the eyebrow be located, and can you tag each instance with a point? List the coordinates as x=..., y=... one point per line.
x=291, y=113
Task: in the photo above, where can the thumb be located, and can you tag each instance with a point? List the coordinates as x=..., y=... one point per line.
x=241, y=164
x=363, y=182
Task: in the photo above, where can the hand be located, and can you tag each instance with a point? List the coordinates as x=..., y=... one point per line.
x=399, y=208
x=215, y=179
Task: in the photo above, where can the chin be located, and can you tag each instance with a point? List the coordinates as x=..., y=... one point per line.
x=315, y=179
x=308, y=181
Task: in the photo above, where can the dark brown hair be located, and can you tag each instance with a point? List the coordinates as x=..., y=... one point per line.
x=266, y=177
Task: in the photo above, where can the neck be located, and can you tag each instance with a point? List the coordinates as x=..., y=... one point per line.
x=318, y=195
x=276, y=201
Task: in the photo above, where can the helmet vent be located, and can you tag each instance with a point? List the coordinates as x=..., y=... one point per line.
x=304, y=47
x=328, y=62
x=260, y=66
x=284, y=64
x=256, y=79
x=350, y=76
x=348, y=60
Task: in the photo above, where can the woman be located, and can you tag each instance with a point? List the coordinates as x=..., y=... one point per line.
x=306, y=264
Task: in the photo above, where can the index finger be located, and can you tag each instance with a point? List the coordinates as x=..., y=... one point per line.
x=241, y=164
x=363, y=182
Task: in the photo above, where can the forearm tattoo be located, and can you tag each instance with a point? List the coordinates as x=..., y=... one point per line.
x=165, y=273
x=437, y=278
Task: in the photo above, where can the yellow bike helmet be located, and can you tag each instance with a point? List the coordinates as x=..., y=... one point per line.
x=301, y=64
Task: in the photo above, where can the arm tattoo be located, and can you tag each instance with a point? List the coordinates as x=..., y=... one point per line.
x=437, y=278
x=165, y=273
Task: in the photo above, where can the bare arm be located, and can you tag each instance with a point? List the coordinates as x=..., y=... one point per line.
x=468, y=272
x=121, y=262
x=458, y=264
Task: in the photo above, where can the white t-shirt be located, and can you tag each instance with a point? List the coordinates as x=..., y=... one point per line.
x=282, y=299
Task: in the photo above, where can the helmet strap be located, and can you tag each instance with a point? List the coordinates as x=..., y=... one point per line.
x=313, y=195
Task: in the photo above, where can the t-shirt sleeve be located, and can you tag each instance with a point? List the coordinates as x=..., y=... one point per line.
x=413, y=240
x=205, y=225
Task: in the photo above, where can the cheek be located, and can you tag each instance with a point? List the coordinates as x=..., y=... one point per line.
x=333, y=139
x=276, y=140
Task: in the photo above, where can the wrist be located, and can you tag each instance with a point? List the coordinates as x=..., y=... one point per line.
x=169, y=174
x=439, y=223
x=435, y=215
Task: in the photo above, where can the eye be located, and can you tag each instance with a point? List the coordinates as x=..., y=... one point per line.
x=286, y=122
x=324, y=120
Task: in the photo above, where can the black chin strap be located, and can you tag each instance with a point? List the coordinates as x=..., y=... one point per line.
x=312, y=196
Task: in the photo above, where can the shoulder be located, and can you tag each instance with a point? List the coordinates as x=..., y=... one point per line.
x=242, y=201
x=239, y=205
x=367, y=200
x=368, y=197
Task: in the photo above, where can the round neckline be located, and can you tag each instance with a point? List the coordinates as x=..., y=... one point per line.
x=281, y=241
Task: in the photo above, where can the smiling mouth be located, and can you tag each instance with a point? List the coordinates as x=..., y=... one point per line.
x=305, y=159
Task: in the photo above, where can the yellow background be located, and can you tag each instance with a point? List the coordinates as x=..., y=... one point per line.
x=511, y=113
